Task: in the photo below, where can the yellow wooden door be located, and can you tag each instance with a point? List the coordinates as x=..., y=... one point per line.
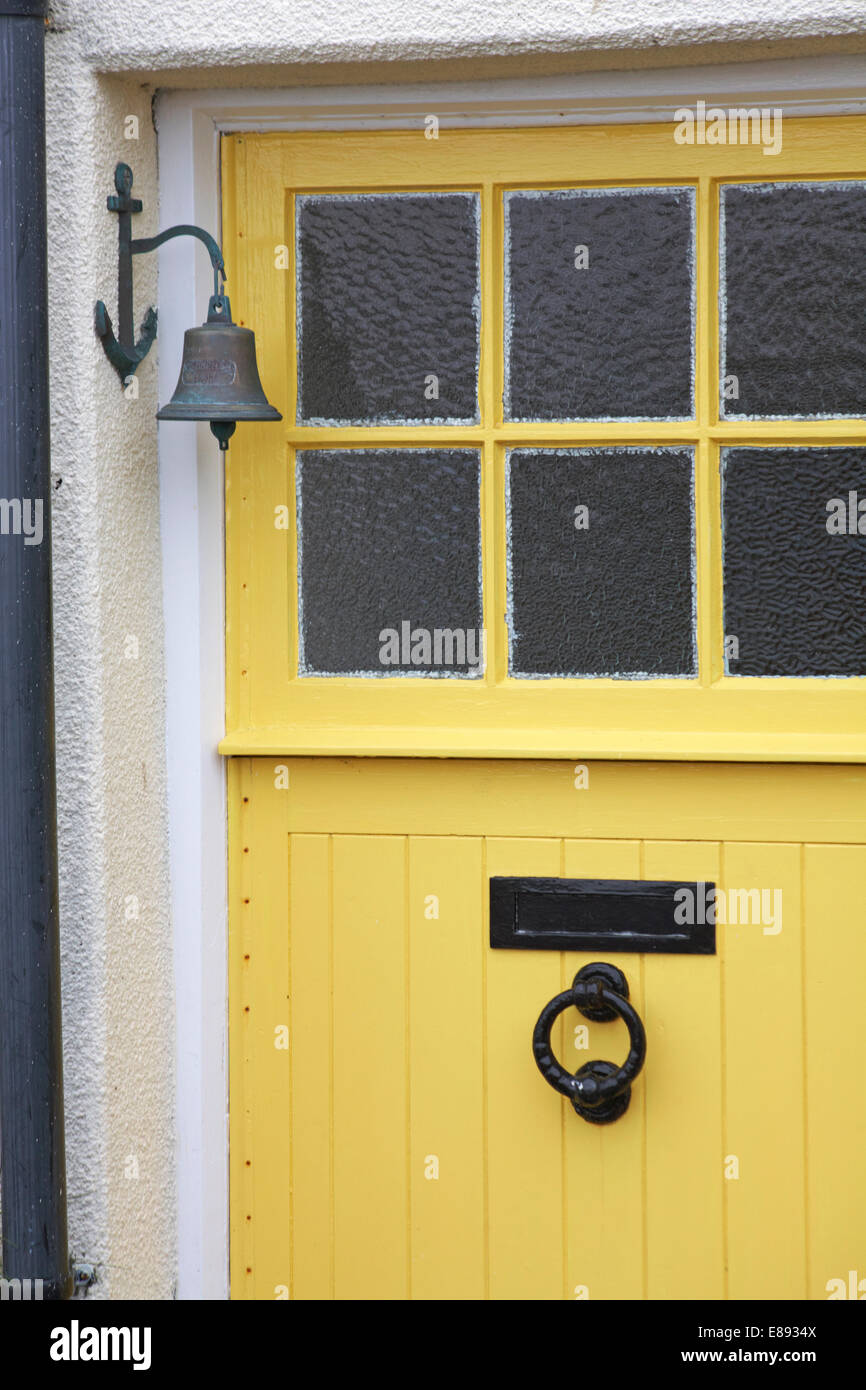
x=391, y=1135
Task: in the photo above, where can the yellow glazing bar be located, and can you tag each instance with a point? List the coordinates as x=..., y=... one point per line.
x=491, y=299
x=290, y=451
x=237, y=537
x=706, y=512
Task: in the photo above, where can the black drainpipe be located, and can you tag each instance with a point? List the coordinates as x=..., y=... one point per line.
x=32, y=1163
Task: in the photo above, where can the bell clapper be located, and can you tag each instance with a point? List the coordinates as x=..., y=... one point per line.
x=222, y=430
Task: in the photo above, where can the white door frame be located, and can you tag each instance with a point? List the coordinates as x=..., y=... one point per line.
x=189, y=124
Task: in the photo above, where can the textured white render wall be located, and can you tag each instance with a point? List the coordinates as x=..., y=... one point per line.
x=159, y=36
x=117, y=975
x=105, y=59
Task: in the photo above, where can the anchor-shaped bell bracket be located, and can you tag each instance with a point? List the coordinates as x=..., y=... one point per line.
x=123, y=351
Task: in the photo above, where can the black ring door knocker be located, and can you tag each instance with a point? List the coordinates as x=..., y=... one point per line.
x=599, y=1091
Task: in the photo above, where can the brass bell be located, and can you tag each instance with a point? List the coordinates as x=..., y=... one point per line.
x=219, y=379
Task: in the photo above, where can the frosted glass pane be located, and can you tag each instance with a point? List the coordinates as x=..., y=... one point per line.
x=793, y=300
x=389, y=562
x=795, y=561
x=388, y=308
x=601, y=562
x=599, y=315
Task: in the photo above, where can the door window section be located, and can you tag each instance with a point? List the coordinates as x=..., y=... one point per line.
x=588, y=401
x=599, y=304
